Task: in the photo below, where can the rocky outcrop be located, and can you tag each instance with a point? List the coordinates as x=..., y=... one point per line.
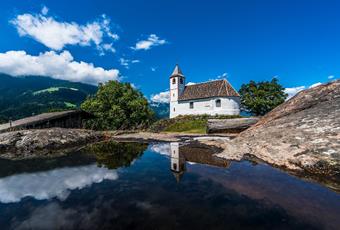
x=301, y=134
x=165, y=137
x=235, y=125
x=27, y=144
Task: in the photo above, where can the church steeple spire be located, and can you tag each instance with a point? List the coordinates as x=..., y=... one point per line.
x=177, y=71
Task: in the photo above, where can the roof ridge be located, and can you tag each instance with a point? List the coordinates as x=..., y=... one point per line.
x=232, y=87
x=200, y=83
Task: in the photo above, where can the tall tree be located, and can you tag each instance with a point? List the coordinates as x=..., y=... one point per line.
x=118, y=106
x=261, y=97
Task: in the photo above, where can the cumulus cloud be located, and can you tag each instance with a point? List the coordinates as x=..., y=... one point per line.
x=294, y=90
x=162, y=97
x=126, y=62
x=57, y=34
x=54, y=183
x=315, y=84
x=56, y=65
x=151, y=41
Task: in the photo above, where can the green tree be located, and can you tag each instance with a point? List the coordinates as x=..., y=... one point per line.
x=118, y=106
x=261, y=97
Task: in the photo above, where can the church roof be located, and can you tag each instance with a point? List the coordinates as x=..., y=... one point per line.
x=218, y=88
x=177, y=72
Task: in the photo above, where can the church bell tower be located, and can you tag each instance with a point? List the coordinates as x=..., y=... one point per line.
x=177, y=84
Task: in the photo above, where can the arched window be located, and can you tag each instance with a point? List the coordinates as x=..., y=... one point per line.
x=174, y=109
x=218, y=103
x=181, y=80
x=191, y=105
x=174, y=81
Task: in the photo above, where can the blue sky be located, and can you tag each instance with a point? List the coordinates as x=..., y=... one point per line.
x=141, y=41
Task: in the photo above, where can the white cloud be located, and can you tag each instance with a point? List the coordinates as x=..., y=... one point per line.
x=56, y=65
x=151, y=41
x=106, y=47
x=331, y=76
x=135, y=87
x=294, y=90
x=153, y=69
x=218, y=77
x=315, y=84
x=44, y=10
x=126, y=62
x=162, y=148
x=57, y=34
x=223, y=75
x=54, y=183
x=162, y=97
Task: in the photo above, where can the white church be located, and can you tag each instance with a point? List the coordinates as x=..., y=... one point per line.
x=213, y=97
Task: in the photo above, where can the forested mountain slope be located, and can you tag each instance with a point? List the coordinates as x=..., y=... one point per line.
x=27, y=95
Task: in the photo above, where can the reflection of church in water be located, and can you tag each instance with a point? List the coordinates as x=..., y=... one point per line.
x=200, y=154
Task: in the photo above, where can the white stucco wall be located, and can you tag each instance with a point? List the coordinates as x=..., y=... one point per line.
x=229, y=106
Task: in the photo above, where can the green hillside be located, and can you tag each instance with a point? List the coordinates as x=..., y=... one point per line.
x=24, y=96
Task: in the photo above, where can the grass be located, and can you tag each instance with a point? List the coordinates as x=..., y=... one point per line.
x=193, y=126
x=49, y=90
x=52, y=90
x=69, y=105
x=186, y=124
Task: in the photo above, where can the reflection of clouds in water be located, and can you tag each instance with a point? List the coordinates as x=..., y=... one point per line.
x=50, y=216
x=161, y=148
x=165, y=149
x=53, y=183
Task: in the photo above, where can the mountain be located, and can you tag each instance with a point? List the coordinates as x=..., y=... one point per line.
x=27, y=95
x=162, y=110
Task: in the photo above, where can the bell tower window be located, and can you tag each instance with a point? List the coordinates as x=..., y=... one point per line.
x=174, y=81
x=181, y=80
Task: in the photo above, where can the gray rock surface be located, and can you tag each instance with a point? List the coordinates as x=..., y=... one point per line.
x=235, y=125
x=301, y=134
x=52, y=142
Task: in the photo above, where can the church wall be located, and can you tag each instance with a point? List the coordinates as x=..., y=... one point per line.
x=229, y=106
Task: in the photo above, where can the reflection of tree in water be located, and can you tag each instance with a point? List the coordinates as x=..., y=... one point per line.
x=112, y=154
